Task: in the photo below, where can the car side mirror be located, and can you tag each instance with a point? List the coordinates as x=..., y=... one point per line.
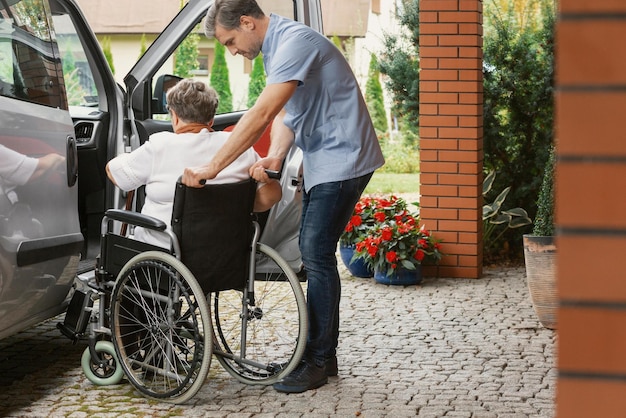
x=163, y=84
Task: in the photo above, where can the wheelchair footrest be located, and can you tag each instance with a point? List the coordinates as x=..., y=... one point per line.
x=77, y=315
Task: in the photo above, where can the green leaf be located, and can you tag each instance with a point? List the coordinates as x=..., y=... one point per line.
x=408, y=265
x=518, y=222
x=501, y=197
x=517, y=212
x=486, y=211
x=488, y=182
x=502, y=218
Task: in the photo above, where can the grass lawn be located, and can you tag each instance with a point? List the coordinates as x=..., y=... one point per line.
x=393, y=183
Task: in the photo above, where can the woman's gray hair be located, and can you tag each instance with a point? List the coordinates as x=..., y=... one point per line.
x=193, y=101
x=227, y=13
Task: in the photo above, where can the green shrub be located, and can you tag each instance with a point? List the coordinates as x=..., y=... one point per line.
x=544, y=221
x=399, y=61
x=106, y=50
x=518, y=97
x=220, y=80
x=257, y=80
x=186, y=56
x=400, y=156
x=374, y=97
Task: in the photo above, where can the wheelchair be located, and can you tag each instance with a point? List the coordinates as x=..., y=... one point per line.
x=158, y=316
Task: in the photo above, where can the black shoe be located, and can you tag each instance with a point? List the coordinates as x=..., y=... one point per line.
x=331, y=366
x=305, y=377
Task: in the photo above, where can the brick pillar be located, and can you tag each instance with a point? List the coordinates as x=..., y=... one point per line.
x=451, y=131
x=591, y=208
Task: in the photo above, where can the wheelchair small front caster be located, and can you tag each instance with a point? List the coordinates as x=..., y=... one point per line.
x=108, y=372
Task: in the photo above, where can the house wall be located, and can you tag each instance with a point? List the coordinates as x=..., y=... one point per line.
x=590, y=207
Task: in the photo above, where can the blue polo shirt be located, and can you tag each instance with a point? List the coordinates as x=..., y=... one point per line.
x=327, y=111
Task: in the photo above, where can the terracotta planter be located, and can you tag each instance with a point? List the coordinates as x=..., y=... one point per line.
x=540, y=259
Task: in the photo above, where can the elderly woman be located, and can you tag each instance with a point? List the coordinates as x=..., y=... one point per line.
x=159, y=162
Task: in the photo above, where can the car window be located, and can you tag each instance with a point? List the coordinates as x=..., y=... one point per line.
x=231, y=76
x=29, y=67
x=79, y=80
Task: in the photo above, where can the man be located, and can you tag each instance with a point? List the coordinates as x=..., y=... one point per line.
x=314, y=99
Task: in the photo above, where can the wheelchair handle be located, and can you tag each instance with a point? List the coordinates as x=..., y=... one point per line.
x=273, y=174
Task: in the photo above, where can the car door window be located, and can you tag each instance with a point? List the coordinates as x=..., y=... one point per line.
x=79, y=80
x=29, y=67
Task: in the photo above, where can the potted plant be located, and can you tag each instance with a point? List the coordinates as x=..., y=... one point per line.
x=368, y=212
x=396, y=248
x=540, y=252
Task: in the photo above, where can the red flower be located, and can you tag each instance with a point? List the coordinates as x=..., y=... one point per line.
x=384, y=203
x=419, y=255
x=386, y=234
x=391, y=256
x=380, y=216
x=356, y=220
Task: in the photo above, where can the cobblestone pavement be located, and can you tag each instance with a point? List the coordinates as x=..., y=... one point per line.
x=448, y=347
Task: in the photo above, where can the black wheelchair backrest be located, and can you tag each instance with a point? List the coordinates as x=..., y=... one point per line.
x=214, y=229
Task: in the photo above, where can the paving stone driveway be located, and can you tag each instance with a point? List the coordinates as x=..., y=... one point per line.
x=448, y=347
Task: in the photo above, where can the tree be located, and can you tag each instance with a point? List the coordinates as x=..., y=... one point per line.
x=143, y=46
x=106, y=49
x=374, y=97
x=399, y=61
x=257, y=80
x=186, y=56
x=220, y=81
x=75, y=92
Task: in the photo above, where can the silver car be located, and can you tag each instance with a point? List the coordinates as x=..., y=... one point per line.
x=62, y=117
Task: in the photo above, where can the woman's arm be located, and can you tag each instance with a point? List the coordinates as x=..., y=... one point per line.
x=267, y=196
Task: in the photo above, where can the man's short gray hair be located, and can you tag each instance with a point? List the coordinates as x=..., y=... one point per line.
x=227, y=13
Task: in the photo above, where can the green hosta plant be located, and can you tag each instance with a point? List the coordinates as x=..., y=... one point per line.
x=497, y=221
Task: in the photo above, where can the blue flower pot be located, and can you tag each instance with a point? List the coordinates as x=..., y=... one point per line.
x=401, y=277
x=357, y=268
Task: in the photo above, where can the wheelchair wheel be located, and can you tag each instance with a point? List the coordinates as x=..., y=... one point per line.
x=107, y=373
x=161, y=327
x=261, y=337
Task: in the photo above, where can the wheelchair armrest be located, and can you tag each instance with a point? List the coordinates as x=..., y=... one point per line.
x=136, y=218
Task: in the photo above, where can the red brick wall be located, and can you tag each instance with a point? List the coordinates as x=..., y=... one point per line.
x=591, y=208
x=451, y=131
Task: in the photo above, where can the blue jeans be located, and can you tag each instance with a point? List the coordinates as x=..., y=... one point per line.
x=326, y=209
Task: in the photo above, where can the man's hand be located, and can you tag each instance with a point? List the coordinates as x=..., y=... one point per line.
x=257, y=171
x=196, y=176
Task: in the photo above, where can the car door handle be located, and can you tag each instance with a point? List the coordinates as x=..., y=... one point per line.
x=71, y=160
